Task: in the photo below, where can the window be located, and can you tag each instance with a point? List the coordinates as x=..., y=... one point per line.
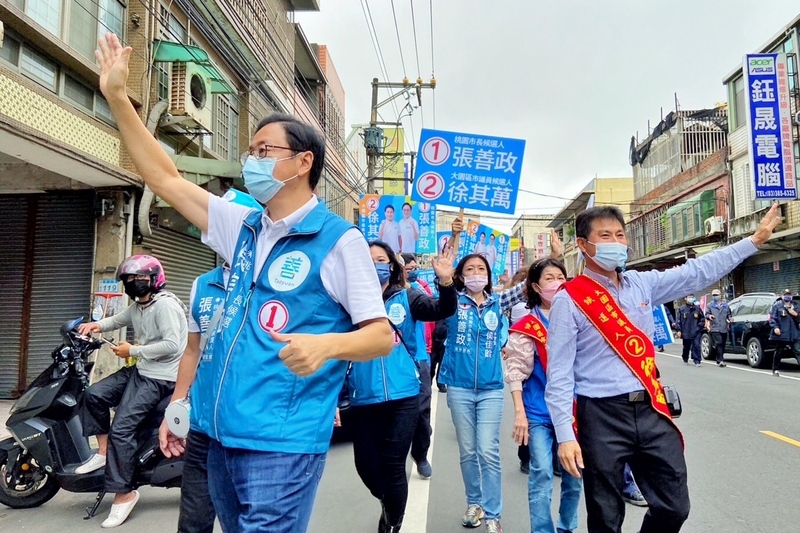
x=10, y=51
x=81, y=17
x=739, y=110
x=763, y=306
x=78, y=93
x=38, y=68
x=102, y=110
x=226, y=127
x=685, y=220
x=47, y=13
x=746, y=307
x=674, y=228
x=19, y=4
x=110, y=14
x=698, y=223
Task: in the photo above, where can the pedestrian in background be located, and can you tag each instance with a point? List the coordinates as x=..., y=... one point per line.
x=421, y=442
x=718, y=315
x=783, y=321
x=692, y=324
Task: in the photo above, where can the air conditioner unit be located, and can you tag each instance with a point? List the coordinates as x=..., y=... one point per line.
x=714, y=225
x=190, y=96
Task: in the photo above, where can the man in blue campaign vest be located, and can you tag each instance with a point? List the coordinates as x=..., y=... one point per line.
x=303, y=298
x=208, y=293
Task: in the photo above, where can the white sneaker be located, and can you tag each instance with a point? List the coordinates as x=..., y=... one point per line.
x=120, y=512
x=95, y=463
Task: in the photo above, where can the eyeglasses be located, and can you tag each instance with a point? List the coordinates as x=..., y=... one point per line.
x=264, y=150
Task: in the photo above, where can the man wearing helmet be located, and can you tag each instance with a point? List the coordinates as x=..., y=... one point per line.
x=303, y=298
x=158, y=319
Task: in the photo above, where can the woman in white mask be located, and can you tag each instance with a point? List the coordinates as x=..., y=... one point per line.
x=526, y=374
x=473, y=373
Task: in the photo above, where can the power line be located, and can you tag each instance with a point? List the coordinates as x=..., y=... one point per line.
x=397, y=31
x=414, y=25
x=376, y=44
x=433, y=65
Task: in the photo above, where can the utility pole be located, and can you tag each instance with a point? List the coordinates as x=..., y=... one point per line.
x=373, y=136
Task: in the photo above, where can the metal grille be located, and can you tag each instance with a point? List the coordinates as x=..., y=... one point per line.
x=63, y=259
x=183, y=257
x=12, y=250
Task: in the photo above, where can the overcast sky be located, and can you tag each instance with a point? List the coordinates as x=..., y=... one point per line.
x=574, y=79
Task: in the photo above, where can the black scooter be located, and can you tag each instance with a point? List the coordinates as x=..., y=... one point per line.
x=47, y=443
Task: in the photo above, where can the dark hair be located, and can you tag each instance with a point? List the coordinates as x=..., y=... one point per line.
x=409, y=258
x=535, y=274
x=519, y=276
x=584, y=221
x=390, y=206
x=458, y=279
x=407, y=204
x=302, y=138
x=397, y=276
x=491, y=236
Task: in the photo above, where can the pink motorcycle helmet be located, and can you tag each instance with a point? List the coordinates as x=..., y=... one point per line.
x=143, y=265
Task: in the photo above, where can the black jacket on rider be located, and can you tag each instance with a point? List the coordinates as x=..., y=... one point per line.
x=780, y=318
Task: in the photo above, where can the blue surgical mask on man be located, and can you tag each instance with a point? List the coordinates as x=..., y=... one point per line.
x=787, y=298
x=384, y=271
x=259, y=178
x=610, y=255
x=412, y=276
x=716, y=297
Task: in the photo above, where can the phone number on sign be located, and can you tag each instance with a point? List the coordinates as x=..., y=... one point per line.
x=777, y=194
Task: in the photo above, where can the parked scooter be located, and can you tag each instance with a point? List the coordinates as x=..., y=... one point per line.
x=47, y=443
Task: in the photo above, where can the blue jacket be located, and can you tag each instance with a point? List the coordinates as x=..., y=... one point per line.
x=691, y=321
x=474, y=339
x=720, y=313
x=779, y=317
x=533, y=387
x=209, y=294
x=254, y=401
x=395, y=376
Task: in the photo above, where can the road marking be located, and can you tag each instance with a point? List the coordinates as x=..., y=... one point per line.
x=416, y=518
x=763, y=372
x=781, y=437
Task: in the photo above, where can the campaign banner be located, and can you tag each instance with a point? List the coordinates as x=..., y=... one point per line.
x=405, y=225
x=541, y=246
x=429, y=276
x=769, y=123
x=490, y=243
x=394, y=162
x=513, y=261
x=663, y=332
x=468, y=170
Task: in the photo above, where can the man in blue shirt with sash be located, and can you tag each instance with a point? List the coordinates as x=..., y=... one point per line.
x=302, y=299
x=600, y=327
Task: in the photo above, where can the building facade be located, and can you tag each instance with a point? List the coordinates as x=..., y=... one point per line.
x=534, y=237
x=777, y=264
x=202, y=75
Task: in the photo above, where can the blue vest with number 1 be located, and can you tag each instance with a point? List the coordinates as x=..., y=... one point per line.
x=209, y=294
x=256, y=403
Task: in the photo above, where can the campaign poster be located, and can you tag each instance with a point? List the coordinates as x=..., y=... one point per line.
x=490, y=243
x=405, y=225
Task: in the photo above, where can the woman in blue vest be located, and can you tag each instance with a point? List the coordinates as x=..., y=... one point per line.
x=473, y=373
x=384, y=392
x=526, y=374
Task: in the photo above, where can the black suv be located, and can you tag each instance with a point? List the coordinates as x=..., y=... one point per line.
x=749, y=328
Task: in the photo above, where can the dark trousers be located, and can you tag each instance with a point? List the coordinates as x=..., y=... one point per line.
x=422, y=434
x=436, y=360
x=719, y=344
x=614, y=431
x=134, y=397
x=382, y=435
x=692, y=345
x=197, y=511
x=781, y=347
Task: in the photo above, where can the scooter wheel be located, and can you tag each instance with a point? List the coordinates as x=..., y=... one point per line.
x=38, y=488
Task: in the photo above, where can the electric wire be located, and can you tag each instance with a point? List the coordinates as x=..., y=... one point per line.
x=399, y=44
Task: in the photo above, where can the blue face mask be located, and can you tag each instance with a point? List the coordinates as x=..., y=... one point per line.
x=259, y=180
x=384, y=272
x=787, y=298
x=716, y=297
x=610, y=255
x=412, y=276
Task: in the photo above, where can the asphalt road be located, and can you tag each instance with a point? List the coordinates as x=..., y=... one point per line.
x=741, y=480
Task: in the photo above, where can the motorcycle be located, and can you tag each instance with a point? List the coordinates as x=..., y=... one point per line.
x=47, y=442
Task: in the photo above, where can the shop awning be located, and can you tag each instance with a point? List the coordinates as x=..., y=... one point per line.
x=705, y=198
x=169, y=52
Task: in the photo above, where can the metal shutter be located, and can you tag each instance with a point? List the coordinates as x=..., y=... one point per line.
x=763, y=278
x=63, y=260
x=183, y=257
x=14, y=211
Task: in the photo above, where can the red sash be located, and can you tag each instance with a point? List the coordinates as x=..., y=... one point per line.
x=534, y=328
x=633, y=346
